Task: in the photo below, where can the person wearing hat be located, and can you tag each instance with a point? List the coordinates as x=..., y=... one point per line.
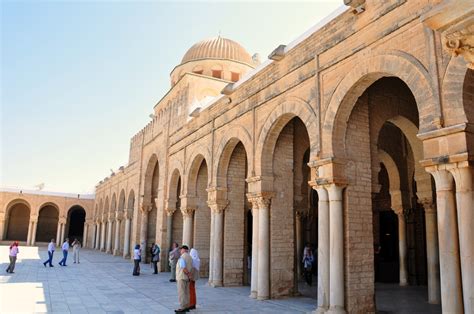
x=183, y=273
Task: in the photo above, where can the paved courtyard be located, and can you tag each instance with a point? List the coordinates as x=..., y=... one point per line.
x=102, y=283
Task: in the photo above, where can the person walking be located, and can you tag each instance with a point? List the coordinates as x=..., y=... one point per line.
x=308, y=260
x=76, y=247
x=51, y=247
x=183, y=273
x=137, y=257
x=13, y=253
x=156, y=258
x=194, y=277
x=65, y=249
x=173, y=259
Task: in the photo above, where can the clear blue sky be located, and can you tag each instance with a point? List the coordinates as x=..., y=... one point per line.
x=79, y=78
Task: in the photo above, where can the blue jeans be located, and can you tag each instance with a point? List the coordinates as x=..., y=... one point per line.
x=50, y=258
x=63, y=261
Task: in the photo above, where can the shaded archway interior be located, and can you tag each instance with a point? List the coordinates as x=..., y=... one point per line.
x=47, y=223
x=75, y=223
x=18, y=222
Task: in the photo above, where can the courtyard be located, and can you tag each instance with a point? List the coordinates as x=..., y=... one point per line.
x=103, y=283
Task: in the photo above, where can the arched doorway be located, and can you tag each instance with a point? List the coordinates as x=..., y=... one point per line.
x=47, y=223
x=75, y=223
x=177, y=223
x=18, y=221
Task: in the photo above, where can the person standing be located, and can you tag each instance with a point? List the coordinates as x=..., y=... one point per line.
x=173, y=259
x=308, y=260
x=65, y=249
x=183, y=273
x=137, y=257
x=156, y=258
x=13, y=253
x=76, y=247
x=194, y=277
x=51, y=247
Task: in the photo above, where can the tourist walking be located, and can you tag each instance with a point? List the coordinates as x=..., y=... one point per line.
x=194, y=277
x=183, y=273
x=65, y=249
x=76, y=247
x=137, y=257
x=13, y=253
x=308, y=261
x=173, y=259
x=51, y=247
x=155, y=258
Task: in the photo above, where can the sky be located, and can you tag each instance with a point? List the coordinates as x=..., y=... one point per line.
x=80, y=78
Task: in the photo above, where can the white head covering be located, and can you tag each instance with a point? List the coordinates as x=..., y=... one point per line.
x=196, y=260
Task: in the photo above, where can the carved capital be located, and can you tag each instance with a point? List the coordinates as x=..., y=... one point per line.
x=260, y=200
x=460, y=42
x=145, y=208
x=218, y=207
x=187, y=212
x=119, y=215
x=428, y=205
x=170, y=211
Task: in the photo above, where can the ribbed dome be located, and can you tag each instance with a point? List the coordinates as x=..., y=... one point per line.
x=217, y=48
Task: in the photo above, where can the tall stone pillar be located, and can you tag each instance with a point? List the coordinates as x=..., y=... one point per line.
x=94, y=234
x=263, y=281
x=254, y=269
x=463, y=176
x=102, y=235
x=169, y=233
x=336, y=250
x=33, y=235
x=211, y=251
x=217, y=210
x=126, y=238
x=299, y=242
x=109, y=236
x=188, y=221
x=451, y=290
x=63, y=231
x=30, y=231
x=97, y=235
x=58, y=234
x=323, y=250
x=84, y=236
x=2, y=226
x=118, y=219
x=145, y=210
x=432, y=256
x=402, y=247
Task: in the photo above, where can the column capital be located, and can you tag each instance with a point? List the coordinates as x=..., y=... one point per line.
x=34, y=218
x=62, y=220
x=260, y=200
x=218, y=207
x=119, y=215
x=428, y=205
x=128, y=213
x=187, y=211
x=443, y=178
x=170, y=211
x=145, y=208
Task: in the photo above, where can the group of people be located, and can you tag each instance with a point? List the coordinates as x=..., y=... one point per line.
x=76, y=244
x=184, y=270
x=76, y=247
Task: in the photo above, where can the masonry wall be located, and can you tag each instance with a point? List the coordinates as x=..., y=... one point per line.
x=282, y=246
x=234, y=219
x=202, y=221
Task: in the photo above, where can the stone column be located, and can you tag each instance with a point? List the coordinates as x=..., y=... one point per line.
x=126, y=238
x=97, y=235
x=451, y=290
x=2, y=226
x=188, y=220
x=145, y=209
x=254, y=270
x=169, y=233
x=84, y=236
x=299, y=242
x=323, y=250
x=117, y=234
x=30, y=230
x=58, y=234
x=263, y=281
x=109, y=236
x=402, y=247
x=94, y=234
x=63, y=230
x=211, y=251
x=33, y=235
x=432, y=256
x=463, y=177
x=336, y=250
x=217, y=210
x=102, y=235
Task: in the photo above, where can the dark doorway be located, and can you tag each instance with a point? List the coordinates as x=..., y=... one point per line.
x=18, y=222
x=386, y=256
x=47, y=224
x=77, y=217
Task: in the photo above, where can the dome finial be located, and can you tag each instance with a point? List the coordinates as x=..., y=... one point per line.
x=219, y=35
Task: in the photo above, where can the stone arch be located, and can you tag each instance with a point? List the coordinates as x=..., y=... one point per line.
x=393, y=178
x=353, y=85
x=106, y=205
x=153, y=165
x=113, y=205
x=101, y=208
x=48, y=217
x=17, y=219
x=288, y=109
x=131, y=200
x=452, y=91
x=229, y=140
x=173, y=183
x=121, y=203
x=192, y=173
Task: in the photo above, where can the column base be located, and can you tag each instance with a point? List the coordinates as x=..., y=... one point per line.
x=253, y=294
x=434, y=301
x=320, y=310
x=262, y=297
x=336, y=310
x=216, y=284
x=403, y=284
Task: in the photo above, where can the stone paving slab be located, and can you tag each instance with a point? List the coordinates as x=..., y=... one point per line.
x=103, y=283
